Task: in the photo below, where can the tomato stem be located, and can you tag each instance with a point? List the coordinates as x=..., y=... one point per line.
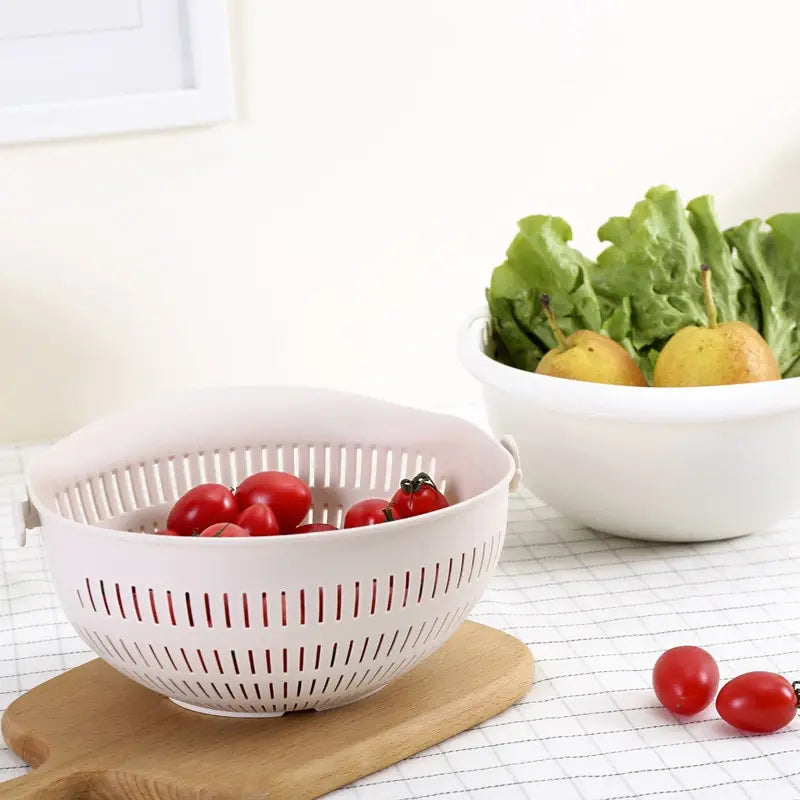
x=796, y=687
x=423, y=479
x=412, y=485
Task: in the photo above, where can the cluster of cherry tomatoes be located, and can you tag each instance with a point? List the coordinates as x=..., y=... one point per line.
x=685, y=680
x=273, y=503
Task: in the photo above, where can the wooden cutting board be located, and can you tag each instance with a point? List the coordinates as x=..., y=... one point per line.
x=92, y=734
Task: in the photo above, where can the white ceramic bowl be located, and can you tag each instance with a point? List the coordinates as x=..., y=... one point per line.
x=686, y=464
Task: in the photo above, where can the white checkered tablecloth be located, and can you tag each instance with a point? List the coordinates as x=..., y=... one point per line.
x=596, y=611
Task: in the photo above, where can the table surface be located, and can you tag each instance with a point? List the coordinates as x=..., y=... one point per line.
x=596, y=611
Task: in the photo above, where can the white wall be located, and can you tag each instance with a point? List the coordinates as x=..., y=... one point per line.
x=340, y=229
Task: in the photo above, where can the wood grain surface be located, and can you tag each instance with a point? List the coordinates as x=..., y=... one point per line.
x=92, y=734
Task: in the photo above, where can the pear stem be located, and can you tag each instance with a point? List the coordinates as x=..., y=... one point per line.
x=551, y=319
x=708, y=297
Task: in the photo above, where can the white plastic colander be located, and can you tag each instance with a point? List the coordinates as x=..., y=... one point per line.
x=262, y=626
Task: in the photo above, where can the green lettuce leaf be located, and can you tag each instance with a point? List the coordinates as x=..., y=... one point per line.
x=646, y=284
x=734, y=293
x=618, y=327
x=540, y=260
x=654, y=260
x=772, y=261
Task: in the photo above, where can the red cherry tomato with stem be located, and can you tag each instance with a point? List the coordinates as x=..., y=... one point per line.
x=315, y=527
x=287, y=496
x=416, y=496
x=200, y=507
x=373, y=511
x=685, y=679
x=224, y=530
x=258, y=520
x=758, y=702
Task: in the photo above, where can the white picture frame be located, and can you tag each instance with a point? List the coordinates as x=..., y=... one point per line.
x=34, y=43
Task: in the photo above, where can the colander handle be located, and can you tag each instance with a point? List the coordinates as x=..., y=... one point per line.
x=516, y=479
x=25, y=517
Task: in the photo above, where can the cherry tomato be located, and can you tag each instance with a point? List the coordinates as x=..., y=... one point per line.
x=287, y=496
x=258, y=520
x=165, y=532
x=685, y=679
x=366, y=512
x=224, y=530
x=758, y=702
x=416, y=496
x=314, y=527
x=200, y=507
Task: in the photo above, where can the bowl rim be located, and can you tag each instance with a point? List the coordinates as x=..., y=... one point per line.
x=48, y=516
x=635, y=404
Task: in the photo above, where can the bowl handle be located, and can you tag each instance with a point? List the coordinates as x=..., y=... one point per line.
x=508, y=442
x=25, y=517
x=466, y=334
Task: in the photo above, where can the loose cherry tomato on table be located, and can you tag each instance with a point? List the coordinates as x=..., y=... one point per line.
x=417, y=495
x=200, y=507
x=315, y=527
x=367, y=512
x=685, y=679
x=258, y=520
x=758, y=702
x=223, y=530
x=287, y=496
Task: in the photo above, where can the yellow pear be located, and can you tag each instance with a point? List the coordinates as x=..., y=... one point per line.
x=718, y=354
x=588, y=356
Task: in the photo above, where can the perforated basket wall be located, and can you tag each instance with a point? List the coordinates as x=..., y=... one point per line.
x=274, y=624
